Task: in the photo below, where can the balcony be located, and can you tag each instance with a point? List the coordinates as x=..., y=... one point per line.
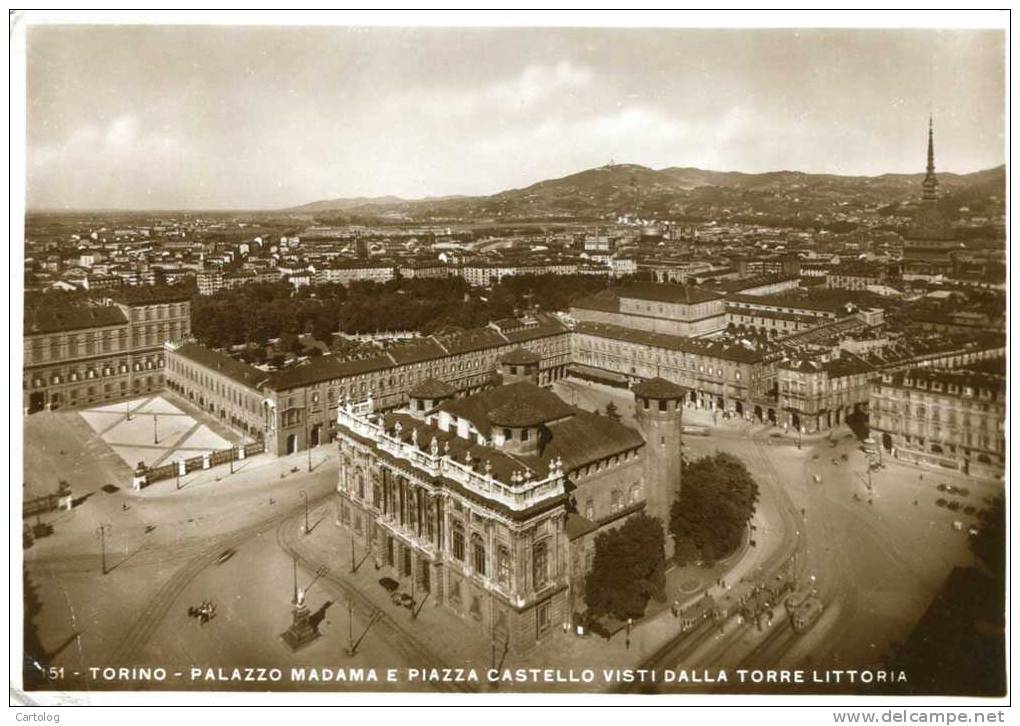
x=517, y=496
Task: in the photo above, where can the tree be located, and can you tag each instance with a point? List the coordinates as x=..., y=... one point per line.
x=629, y=568
x=717, y=500
x=989, y=546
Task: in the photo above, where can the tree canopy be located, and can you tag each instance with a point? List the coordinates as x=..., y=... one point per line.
x=629, y=568
x=255, y=313
x=717, y=500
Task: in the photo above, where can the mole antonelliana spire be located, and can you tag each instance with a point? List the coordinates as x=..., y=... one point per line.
x=931, y=183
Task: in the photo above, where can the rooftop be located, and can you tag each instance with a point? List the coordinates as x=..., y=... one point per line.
x=658, y=388
x=222, y=363
x=65, y=316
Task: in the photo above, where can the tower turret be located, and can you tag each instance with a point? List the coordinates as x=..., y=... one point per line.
x=659, y=414
x=520, y=364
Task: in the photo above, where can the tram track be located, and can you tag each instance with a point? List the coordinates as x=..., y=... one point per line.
x=397, y=636
x=147, y=622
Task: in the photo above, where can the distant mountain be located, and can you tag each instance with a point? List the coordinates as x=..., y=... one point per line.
x=675, y=191
x=333, y=205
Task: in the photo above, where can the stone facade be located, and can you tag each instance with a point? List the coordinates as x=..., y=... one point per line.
x=669, y=309
x=488, y=504
x=953, y=419
x=88, y=354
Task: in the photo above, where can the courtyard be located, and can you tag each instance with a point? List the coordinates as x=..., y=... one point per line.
x=153, y=430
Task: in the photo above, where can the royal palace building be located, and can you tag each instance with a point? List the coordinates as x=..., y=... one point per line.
x=95, y=351
x=671, y=309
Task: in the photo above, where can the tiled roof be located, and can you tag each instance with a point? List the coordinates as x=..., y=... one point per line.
x=53, y=318
x=686, y=294
x=432, y=388
x=477, y=408
x=520, y=357
x=658, y=388
x=324, y=368
x=149, y=295
x=517, y=414
x=696, y=346
x=847, y=365
x=577, y=437
x=415, y=351
x=222, y=363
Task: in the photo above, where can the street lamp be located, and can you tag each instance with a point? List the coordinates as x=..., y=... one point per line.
x=155, y=432
x=102, y=529
x=308, y=440
x=304, y=494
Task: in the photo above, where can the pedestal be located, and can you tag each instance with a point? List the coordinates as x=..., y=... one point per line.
x=301, y=632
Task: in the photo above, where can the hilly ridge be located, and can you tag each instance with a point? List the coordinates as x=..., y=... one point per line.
x=635, y=189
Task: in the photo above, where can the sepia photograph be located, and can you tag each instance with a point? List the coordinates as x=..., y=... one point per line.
x=648, y=357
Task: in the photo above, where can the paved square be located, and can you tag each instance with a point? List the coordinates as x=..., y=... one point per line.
x=155, y=431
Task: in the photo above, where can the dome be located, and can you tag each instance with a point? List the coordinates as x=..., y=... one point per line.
x=930, y=223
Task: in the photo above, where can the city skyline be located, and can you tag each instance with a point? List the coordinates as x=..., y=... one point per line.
x=477, y=111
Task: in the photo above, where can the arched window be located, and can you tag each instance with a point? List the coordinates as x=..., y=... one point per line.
x=634, y=493
x=616, y=501
x=540, y=564
x=478, y=554
x=503, y=567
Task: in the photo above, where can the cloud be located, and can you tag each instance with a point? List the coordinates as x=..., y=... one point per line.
x=120, y=163
x=121, y=132
x=538, y=83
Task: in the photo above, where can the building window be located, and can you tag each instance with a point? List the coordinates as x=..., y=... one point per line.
x=478, y=554
x=543, y=615
x=458, y=541
x=503, y=566
x=634, y=493
x=540, y=564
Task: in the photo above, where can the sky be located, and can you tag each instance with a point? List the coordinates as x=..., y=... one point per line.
x=192, y=117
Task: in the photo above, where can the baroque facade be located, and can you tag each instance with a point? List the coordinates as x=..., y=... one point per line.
x=488, y=504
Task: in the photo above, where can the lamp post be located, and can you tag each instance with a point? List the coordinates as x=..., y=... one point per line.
x=308, y=434
x=155, y=430
x=177, y=467
x=102, y=530
x=800, y=435
x=350, y=627
x=304, y=494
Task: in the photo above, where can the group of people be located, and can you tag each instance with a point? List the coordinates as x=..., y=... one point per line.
x=204, y=612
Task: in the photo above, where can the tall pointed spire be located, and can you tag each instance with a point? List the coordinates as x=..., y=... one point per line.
x=930, y=186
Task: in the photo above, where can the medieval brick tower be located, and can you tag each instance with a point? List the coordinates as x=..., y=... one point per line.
x=659, y=416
